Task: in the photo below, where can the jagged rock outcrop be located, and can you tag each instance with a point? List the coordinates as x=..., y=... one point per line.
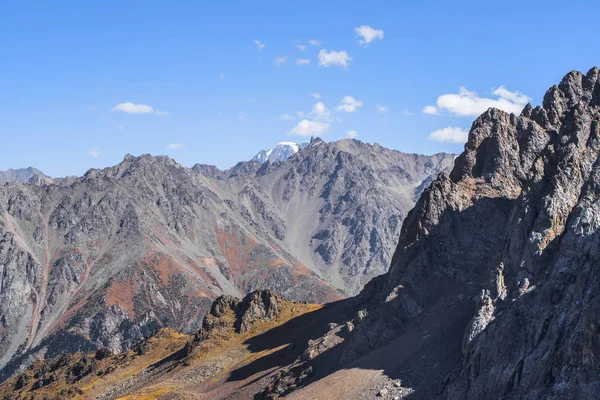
x=241, y=315
x=498, y=264
x=104, y=260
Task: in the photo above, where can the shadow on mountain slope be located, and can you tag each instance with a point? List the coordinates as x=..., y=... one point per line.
x=375, y=333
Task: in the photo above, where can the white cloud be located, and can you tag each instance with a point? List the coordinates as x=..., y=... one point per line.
x=222, y=75
x=316, y=95
x=314, y=42
x=452, y=134
x=430, y=110
x=516, y=96
x=131, y=108
x=286, y=117
x=333, y=58
x=309, y=128
x=243, y=116
x=468, y=103
x=94, y=153
x=407, y=113
x=279, y=61
x=320, y=112
x=368, y=34
x=352, y=134
x=382, y=109
x=301, y=47
x=260, y=45
x=158, y=112
x=174, y=146
x=349, y=104
x=303, y=61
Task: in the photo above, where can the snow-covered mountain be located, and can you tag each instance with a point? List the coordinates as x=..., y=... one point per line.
x=281, y=152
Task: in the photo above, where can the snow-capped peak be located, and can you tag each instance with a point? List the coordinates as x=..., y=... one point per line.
x=281, y=152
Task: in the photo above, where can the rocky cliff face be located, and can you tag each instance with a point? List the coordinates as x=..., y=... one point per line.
x=492, y=292
x=106, y=259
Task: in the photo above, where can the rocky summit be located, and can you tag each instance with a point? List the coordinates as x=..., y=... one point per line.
x=104, y=260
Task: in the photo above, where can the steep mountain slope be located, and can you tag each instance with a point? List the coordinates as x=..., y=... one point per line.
x=23, y=175
x=337, y=207
x=105, y=259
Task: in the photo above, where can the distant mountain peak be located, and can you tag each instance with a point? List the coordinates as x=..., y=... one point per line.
x=23, y=175
x=281, y=152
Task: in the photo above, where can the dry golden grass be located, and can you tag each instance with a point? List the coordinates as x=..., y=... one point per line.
x=150, y=394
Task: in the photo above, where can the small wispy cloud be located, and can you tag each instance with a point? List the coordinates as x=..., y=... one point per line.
x=286, y=117
x=430, y=110
x=222, y=75
x=303, y=61
x=279, y=61
x=95, y=152
x=260, y=45
x=174, y=146
x=352, y=134
x=301, y=47
x=333, y=58
x=382, y=109
x=314, y=42
x=139, y=108
x=407, y=113
x=132, y=108
x=243, y=116
x=349, y=104
x=368, y=34
x=316, y=95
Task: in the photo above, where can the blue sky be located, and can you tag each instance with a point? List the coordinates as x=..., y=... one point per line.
x=200, y=83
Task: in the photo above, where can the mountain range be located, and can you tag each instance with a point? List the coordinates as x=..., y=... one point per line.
x=103, y=260
x=492, y=292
